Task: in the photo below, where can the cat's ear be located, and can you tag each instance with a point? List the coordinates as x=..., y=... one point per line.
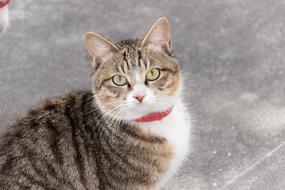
x=99, y=48
x=158, y=35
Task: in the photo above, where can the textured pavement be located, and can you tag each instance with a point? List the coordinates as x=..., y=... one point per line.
x=233, y=57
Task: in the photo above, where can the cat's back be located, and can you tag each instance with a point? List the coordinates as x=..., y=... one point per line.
x=37, y=149
x=55, y=110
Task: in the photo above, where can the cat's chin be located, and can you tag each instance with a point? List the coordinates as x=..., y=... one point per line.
x=133, y=113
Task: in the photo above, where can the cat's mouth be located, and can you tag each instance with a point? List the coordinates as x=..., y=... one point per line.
x=155, y=116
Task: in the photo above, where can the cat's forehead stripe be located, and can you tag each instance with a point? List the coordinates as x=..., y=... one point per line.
x=124, y=65
x=131, y=55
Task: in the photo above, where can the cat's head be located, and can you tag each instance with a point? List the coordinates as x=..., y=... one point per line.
x=133, y=78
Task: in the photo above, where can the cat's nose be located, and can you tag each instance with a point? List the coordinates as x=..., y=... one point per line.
x=139, y=98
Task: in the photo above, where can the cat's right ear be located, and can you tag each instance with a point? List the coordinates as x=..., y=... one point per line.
x=99, y=48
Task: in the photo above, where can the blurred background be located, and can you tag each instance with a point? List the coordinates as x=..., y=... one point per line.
x=233, y=57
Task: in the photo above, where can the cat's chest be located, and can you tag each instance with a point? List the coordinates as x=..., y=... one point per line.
x=175, y=128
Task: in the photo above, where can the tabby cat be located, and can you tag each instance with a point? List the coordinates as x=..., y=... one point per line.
x=130, y=132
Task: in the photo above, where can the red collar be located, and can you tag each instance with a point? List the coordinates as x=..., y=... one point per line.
x=156, y=116
x=3, y=3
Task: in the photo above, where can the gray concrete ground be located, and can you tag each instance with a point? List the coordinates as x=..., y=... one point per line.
x=233, y=56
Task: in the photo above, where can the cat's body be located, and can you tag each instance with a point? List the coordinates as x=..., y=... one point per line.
x=116, y=137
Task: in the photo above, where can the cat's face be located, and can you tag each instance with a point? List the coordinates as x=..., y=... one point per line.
x=135, y=77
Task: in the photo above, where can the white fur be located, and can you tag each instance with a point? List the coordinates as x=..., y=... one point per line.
x=175, y=128
x=4, y=18
x=139, y=89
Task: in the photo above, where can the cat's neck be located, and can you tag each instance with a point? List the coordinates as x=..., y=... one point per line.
x=178, y=113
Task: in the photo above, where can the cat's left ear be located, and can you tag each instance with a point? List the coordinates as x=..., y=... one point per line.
x=158, y=35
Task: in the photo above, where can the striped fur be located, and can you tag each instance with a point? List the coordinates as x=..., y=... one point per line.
x=66, y=144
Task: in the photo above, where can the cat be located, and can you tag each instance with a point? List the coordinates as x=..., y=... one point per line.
x=4, y=15
x=131, y=131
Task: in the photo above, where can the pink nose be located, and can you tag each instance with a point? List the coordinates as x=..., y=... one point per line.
x=139, y=98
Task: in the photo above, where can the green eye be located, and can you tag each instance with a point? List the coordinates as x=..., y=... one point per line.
x=153, y=74
x=119, y=80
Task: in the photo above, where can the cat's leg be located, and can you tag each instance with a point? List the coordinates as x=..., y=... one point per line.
x=4, y=18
